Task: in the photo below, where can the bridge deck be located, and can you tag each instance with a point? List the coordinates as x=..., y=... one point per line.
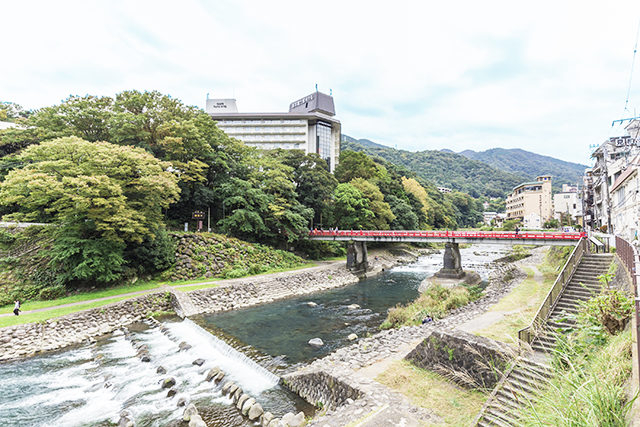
x=493, y=237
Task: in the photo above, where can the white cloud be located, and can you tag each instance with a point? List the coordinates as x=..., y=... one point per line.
x=547, y=77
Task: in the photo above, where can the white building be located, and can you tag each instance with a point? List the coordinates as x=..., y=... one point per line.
x=309, y=126
x=487, y=217
x=568, y=202
x=625, y=202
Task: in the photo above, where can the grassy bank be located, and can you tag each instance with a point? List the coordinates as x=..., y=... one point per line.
x=429, y=390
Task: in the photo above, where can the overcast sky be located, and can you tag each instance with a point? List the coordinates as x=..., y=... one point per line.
x=545, y=76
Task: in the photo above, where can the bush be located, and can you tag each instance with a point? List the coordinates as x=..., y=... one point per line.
x=52, y=292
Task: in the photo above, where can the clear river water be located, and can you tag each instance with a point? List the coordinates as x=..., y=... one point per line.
x=92, y=383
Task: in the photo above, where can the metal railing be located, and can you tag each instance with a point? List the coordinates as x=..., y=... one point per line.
x=528, y=334
x=628, y=254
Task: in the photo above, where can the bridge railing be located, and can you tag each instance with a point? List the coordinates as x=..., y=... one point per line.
x=448, y=234
x=629, y=256
x=528, y=334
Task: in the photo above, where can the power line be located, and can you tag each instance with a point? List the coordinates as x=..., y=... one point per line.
x=633, y=60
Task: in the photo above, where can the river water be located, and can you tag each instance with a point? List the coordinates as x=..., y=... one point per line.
x=90, y=384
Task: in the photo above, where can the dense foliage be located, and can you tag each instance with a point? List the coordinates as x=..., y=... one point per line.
x=111, y=174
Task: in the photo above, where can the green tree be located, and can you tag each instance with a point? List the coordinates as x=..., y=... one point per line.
x=382, y=214
x=405, y=217
x=101, y=196
x=351, y=208
x=354, y=164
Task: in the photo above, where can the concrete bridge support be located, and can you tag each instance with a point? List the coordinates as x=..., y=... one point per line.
x=357, y=256
x=452, y=268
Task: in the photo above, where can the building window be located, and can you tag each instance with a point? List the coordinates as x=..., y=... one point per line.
x=323, y=142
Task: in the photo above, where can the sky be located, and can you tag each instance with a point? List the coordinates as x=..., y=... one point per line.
x=544, y=76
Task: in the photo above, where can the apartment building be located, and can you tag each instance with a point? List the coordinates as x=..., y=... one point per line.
x=531, y=203
x=568, y=203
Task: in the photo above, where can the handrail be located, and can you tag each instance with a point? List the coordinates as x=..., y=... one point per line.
x=628, y=254
x=450, y=234
x=528, y=333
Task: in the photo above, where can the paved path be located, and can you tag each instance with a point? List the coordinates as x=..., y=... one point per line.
x=227, y=282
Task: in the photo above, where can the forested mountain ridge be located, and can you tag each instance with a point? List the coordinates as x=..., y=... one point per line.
x=445, y=169
x=522, y=162
x=491, y=173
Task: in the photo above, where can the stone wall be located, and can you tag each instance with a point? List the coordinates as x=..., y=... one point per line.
x=322, y=389
x=31, y=338
x=468, y=359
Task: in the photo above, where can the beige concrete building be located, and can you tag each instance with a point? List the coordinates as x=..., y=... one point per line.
x=531, y=202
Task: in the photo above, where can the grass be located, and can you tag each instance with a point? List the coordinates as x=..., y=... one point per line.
x=518, y=308
x=113, y=294
x=426, y=389
x=56, y=312
x=589, y=391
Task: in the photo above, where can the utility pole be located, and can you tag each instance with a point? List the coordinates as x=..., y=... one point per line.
x=209, y=218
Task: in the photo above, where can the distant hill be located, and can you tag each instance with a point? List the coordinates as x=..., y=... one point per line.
x=443, y=168
x=491, y=173
x=529, y=164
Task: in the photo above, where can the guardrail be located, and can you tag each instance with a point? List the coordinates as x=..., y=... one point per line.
x=528, y=334
x=448, y=234
x=628, y=254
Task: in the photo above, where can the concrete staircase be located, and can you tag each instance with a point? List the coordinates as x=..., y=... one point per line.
x=518, y=385
x=514, y=390
x=583, y=285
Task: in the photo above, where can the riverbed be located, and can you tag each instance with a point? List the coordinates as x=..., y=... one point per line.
x=92, y=383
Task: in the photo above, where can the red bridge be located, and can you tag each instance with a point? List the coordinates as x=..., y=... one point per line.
x=357, y=248
x=499, y=237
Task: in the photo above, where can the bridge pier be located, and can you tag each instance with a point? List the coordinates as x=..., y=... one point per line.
x=452, y=268
x=357, y=256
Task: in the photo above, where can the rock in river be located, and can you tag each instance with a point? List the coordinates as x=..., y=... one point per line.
x=316, y=342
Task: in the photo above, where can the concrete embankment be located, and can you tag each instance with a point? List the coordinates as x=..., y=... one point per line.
x=29, y=339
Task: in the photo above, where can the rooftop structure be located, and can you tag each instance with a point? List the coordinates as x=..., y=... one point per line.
x=309, y=125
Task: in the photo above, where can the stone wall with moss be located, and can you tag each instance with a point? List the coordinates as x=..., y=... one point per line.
x=205, y=255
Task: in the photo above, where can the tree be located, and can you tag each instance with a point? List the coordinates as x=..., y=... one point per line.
x=102, y=198
x=405, y=217
x=382, y=215
x=351, y=208
x=355, y=164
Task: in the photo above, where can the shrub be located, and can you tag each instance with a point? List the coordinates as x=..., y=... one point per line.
x=52, y=292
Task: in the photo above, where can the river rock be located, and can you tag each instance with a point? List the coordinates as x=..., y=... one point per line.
x=266, y=418
x=241, y=400
x=247, y=405
x=226, y=387
x=168, y=382
x=189, y=412
x=353, y=306
x=125, y=422
x=197, y=421
x=145, y=358
x=255, y=411
x=237, y=394
x=212, y=373
x=232, y=389
x=316, y=342
x=183, y=346
x=198, y=362
x=312, y=304
x=181, y=402
x=172, y=392
x=219, y=377
x=161, y=370
x=352, y=337
x=295, y=420
x=275, y=423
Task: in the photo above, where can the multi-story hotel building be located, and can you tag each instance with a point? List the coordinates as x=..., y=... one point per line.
x=568, y=202
x=531, y=202
x=309, y=126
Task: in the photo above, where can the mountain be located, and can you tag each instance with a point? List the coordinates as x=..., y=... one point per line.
x=445, y=169
x=529, y=164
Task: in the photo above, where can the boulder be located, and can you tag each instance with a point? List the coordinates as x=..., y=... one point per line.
x=197, y=421
x=294, y=420
x=275, y=423
x=161, y=370
x=255, y=411
x=219, y=377
x=226, y=387
x=172, y=392
x=198, y=362
x=266, y=418
x=239, y=392
x=125, y=422
x=183, y=346
x=247, y=405
x=352, y=337
x=189, y=412
x=168, y=382
x=316, y=342
x=212, y=373
x=353, y=306
x=145, y=358
x=312, y=304
x=241, y=400
x=232, y=390
x=181, y=402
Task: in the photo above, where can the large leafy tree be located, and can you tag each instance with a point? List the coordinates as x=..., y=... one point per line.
x=101, y=197
x=382, y=214
x=355, y=164
x=351, y=208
